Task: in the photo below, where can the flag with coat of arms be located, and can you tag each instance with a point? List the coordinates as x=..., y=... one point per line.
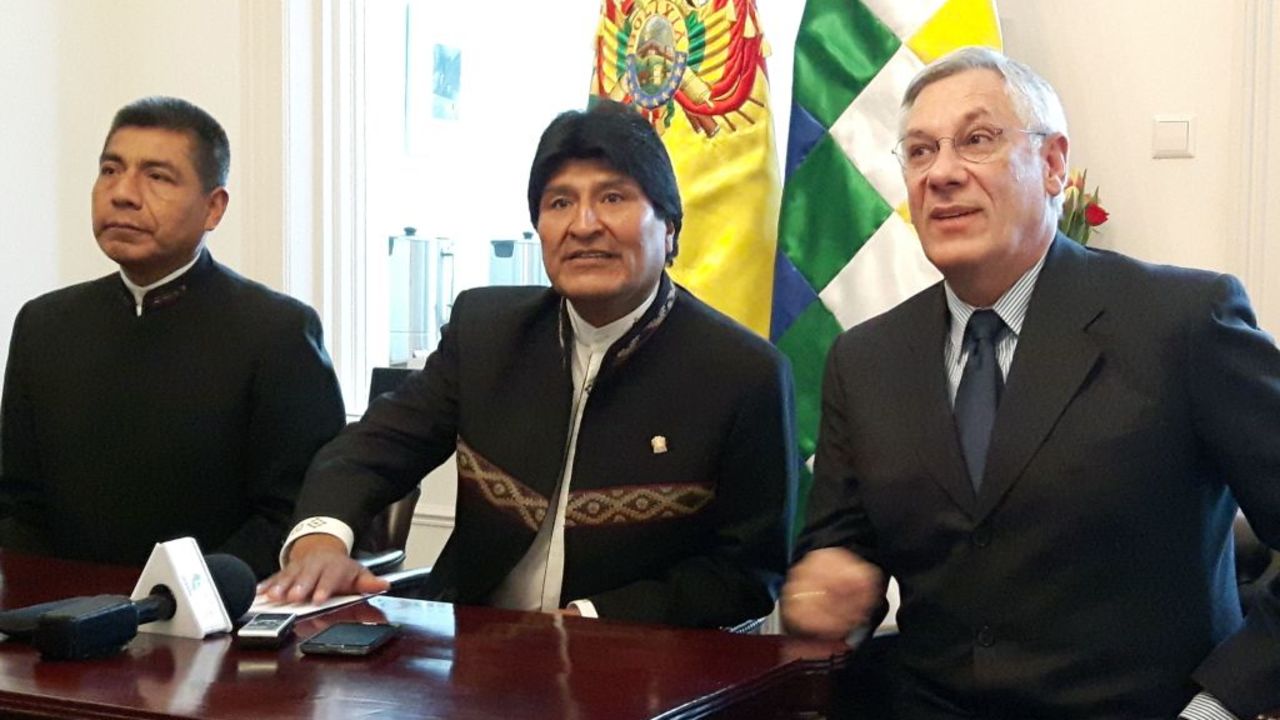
x=846, y=248
x=696, y=70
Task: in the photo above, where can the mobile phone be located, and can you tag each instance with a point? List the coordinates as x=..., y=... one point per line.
x=266, y=630
x=349, y=638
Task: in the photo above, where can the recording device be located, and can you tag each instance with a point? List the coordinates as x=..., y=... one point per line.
x=101, y=625
x=200, y=611
x=266, y=630
x=349, y=638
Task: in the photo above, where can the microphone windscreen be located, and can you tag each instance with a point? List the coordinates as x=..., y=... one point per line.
x=235, y=582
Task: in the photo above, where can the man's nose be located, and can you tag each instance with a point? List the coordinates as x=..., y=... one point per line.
x=586, y=220
x=948, y=167
x=125, y=190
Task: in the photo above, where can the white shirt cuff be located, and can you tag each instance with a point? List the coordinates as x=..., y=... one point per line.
x=585, y=608
x=1206, y=707
x=313, y=525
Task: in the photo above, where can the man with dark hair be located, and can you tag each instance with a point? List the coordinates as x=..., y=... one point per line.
x=210, y=150
x=171, y=398
x=622, y=141
x=623, y=450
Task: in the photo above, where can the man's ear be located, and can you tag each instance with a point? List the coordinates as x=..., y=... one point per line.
x=1055, y=152
x=216, y=207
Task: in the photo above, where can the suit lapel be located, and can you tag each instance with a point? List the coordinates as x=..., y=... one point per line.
x=1052, y=360
x=925, y=398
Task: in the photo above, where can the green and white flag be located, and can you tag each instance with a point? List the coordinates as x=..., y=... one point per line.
x=846, y=248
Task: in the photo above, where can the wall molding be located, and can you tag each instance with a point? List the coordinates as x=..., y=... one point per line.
x=261, y=154
x=322, y=220
x=433, y=515
x=430, y=529
x=1260, y=213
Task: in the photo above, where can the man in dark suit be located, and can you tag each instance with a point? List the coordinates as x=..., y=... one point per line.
x=624, y=450
x=173, y=397
x=1045, y=450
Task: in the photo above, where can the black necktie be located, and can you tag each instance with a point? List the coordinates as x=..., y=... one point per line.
x=979, y=392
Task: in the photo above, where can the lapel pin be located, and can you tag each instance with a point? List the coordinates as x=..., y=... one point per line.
x=659, y=444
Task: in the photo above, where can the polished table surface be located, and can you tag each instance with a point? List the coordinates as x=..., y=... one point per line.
x=446, y=662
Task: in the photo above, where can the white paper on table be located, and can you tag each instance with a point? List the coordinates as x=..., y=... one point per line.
x=261, y=604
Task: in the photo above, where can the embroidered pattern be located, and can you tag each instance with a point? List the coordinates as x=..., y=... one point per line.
x=644, y=332
x=635, y=504
x=500, y=489
x=611, y=506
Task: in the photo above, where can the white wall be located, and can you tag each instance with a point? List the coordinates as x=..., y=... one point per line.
x=1264, y=273
x=1119, y=63
x=67, y=66
x=115, y=51
x=29, y=200
x=1116, y=65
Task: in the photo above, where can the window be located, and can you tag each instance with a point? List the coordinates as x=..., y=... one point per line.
x=424, y=114
x=455, y=97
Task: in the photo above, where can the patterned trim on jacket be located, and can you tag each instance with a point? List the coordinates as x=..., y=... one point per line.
x=499, y=488
x=632, y=504
x=635, y=504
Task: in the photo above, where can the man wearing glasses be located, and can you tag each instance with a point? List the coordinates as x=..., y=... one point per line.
x=1045, y=450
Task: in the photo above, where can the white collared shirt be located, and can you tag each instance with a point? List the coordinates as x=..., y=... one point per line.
x=140, y=292
x=1012, y=309
x=535, y=582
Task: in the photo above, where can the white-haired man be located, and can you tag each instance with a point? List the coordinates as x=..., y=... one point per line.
x=1046, y=449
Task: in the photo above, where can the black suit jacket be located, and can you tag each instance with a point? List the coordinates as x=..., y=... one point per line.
x=683, y=475
x=1092, y=576
x=196, y=418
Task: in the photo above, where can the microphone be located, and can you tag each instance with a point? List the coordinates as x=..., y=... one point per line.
x=232, y=578
x=101, y=625
x=235, y=582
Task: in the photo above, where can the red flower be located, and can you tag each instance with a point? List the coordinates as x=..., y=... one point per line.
x=1095, y=215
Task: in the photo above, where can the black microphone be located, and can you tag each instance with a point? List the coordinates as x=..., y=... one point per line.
x=235, y=582
x=159, y=605
x=101, y=625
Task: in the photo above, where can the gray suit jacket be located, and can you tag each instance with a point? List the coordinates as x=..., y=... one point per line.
x=1092, y=576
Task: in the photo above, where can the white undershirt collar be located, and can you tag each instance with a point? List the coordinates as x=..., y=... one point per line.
x=140, y=292
x=591, y=338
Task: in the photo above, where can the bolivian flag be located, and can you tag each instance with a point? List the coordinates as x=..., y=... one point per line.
x=697, y=71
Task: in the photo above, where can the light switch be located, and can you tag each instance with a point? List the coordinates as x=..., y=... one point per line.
x=1173, y=136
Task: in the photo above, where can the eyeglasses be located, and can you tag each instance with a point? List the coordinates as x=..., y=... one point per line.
x=917, y=154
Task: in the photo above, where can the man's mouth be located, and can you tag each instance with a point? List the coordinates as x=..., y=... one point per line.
x=123, y=226
x=589, y=255
x=951, y=213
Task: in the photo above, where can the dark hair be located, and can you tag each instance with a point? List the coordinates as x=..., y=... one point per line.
x=619, y=136
x=211, y=151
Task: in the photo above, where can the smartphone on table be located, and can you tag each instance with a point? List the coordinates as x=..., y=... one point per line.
x=349, y=638
x=266, y=630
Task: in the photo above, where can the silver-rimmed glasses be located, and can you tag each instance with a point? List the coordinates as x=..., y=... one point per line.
x=918, y=153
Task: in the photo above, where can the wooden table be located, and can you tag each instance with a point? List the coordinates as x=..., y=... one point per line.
x=447, y=662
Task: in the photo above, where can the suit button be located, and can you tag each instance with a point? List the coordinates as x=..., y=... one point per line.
x=982, y=536
x=986, y=636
